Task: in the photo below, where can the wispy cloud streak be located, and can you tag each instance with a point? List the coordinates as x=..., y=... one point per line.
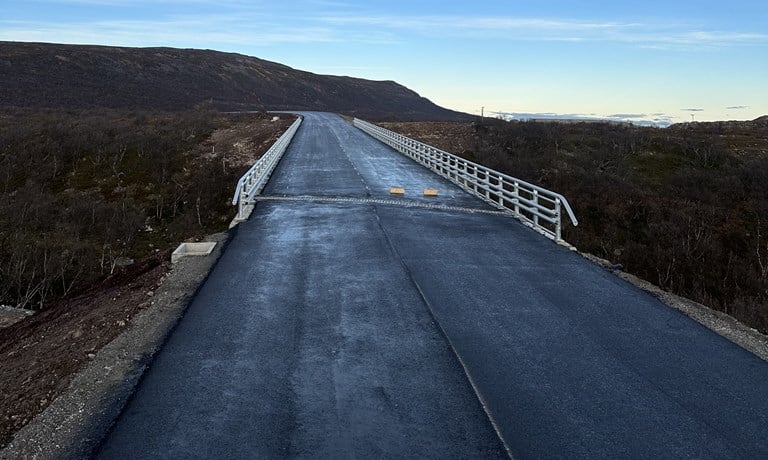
x=247, y=22
x=544, y=29
x=177, y=32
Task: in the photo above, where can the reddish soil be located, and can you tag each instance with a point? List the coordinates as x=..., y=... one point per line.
x=41, y=353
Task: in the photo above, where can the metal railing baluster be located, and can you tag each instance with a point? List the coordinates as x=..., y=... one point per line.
x=537, y=206
x=254, y=180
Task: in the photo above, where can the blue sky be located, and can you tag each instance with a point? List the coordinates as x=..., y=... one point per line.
x=633, y=60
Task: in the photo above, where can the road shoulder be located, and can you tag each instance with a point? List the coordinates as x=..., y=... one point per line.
x=721, y=323
x=73, y=425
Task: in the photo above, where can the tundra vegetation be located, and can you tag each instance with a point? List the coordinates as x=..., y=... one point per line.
x=81, y=192
x=84, y=193
x=685, y=207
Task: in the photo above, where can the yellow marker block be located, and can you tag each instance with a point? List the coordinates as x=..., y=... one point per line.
x=430, y=192
x=397, y=191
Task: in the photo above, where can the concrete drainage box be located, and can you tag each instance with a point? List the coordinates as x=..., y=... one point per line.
x=192, y=249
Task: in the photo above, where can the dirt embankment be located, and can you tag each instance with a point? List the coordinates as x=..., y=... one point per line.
x=42, y=353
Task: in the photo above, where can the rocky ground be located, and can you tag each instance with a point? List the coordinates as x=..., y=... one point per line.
x=10, y=315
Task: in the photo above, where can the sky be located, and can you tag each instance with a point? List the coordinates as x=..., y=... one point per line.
x=668, y=61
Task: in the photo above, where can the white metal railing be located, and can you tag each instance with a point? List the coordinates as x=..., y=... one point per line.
x=253, y=181
x=537, y=206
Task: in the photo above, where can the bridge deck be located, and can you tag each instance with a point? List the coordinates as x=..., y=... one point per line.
x=337, y=325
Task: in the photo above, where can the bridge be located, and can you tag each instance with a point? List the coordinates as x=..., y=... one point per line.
x=343, y=321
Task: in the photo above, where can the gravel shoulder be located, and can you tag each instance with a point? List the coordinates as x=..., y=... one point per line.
x=746, y=337
x=75, y=422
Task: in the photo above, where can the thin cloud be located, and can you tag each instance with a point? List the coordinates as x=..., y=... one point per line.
x=636, y=119
x=627, y=115
x=662, y=119
x=483, y=27
x=253, y=23
x=135, y=3
x=332, y=4
x=692, y=110
x=737, y=107
x=721, y=37
x=655, y=36
x=174, y=32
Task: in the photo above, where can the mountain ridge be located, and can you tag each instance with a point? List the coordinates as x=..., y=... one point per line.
x=47, y=75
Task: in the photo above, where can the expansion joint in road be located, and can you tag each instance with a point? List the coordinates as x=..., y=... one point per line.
x=381, y=201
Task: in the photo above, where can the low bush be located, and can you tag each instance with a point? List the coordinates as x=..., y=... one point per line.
x=81, y=192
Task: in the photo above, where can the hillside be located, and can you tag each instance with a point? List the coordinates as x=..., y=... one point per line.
x=37, y=75
x=723, y=127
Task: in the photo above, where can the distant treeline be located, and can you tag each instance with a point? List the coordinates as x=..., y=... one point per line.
x=82, y=192
x=684, y=207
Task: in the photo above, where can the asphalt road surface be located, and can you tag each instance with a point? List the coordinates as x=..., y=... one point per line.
x=344, y=323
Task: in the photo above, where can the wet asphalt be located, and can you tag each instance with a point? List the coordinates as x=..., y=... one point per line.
x=366, y=329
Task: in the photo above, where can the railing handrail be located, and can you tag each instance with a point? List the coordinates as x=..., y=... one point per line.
x=238, y=187
x=458, y=170
x=253, y=181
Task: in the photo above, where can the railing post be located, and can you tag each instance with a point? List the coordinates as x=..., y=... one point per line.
x=242, y=204
x=516, y=194
x=474, y=178
x=443, y=160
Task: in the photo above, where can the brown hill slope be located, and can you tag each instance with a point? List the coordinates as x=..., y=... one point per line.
x=81, y=77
